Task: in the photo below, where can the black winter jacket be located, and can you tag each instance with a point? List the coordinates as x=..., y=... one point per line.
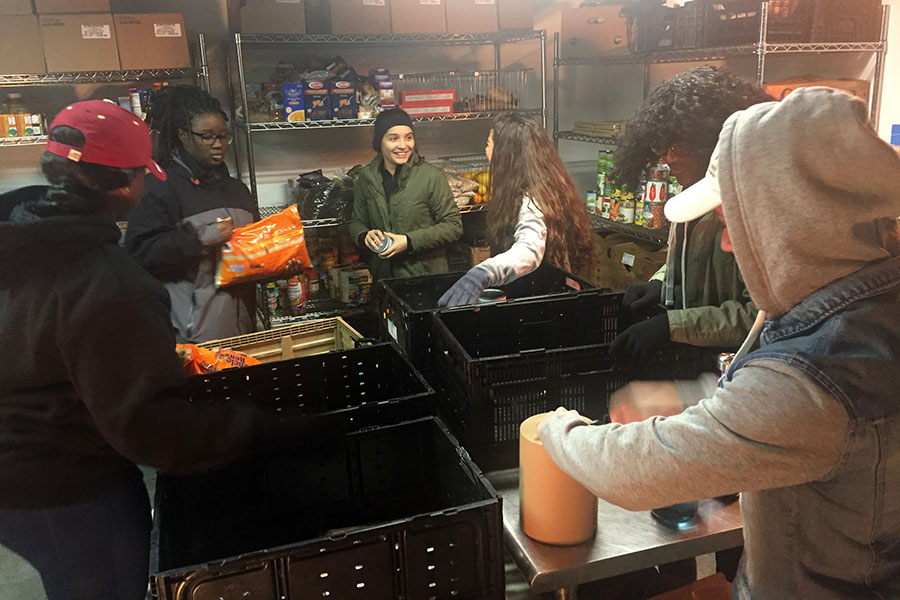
x=89, y=376
x=172, y=233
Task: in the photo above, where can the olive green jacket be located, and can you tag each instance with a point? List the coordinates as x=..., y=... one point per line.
x=421, y=207
x=718, y=310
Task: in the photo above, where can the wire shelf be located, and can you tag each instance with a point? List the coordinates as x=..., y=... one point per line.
x=656, y=236
x=466, y=116
x=30, y=140
x=444, y=39
x=317, y=308
x=580, y=137
x=97, y=77
x=268, y=211
x=669, y=56
x=476, y=91
x=824, y=47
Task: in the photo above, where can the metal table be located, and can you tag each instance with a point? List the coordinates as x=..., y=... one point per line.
x=626, y=541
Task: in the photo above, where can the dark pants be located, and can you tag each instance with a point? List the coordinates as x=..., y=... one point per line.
x=97, y=549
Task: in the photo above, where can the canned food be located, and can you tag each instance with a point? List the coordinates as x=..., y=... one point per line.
x=659, y=172
x=654, y=217
x=604, y=207
x=656, y=191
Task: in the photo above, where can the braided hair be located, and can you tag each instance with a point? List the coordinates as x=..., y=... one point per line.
x=172, y=108
x=689, y=110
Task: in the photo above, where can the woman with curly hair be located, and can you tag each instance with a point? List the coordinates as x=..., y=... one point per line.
x=537, y=213
x=699, y=296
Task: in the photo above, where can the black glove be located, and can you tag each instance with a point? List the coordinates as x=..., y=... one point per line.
x=640, y=302
x=467, y=288
x=641, y=339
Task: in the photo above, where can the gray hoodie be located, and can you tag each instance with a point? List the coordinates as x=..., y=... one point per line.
x=810, y=197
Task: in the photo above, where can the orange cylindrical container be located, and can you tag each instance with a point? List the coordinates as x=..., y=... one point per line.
x=553, y=507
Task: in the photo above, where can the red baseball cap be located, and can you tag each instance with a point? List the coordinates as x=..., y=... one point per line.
x=113, y=137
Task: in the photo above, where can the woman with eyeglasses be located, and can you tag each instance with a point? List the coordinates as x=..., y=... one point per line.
x=180, y=224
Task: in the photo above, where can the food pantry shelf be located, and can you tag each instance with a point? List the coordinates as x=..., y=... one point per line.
x=318, y=309
x=580, y=137
x=669, y=56
x=656, y=236
x=28, y=140
x=285, y=125
x=444, y=39
x=98, y=77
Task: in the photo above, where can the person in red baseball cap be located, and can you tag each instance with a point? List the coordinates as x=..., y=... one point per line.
x=91, y=385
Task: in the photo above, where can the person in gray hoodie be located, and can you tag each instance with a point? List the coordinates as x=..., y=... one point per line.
x=808, y=425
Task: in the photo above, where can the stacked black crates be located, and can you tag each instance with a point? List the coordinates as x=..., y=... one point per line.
x=376, y=500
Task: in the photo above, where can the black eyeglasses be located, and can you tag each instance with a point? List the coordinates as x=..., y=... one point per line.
x=208, y=139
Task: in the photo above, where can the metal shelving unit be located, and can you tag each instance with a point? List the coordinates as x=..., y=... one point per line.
x=497, y=40
x=656, y=236
x=200, y=74
x=761, y=50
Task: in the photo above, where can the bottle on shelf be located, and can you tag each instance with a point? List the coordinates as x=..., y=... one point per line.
x=17, y=119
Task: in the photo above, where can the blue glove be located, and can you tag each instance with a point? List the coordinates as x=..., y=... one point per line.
x=642, y=339
x=467, y=289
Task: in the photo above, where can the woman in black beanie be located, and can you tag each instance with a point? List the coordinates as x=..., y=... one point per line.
x=403, y=210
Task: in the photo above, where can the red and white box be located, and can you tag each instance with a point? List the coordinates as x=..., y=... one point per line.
x=433, y=107
x=424, y=96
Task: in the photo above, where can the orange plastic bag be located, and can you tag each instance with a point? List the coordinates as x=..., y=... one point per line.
x=198, y=361
x=263, y=249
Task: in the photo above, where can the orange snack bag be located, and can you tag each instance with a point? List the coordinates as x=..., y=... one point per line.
x=198, y=361
x=263, y=249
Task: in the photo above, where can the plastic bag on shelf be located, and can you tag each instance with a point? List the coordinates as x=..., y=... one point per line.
x=318, y=197
x=198, y=361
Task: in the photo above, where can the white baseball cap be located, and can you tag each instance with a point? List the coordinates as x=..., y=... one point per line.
x=698, y=199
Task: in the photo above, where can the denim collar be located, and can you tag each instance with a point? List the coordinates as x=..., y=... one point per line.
x=872, y=280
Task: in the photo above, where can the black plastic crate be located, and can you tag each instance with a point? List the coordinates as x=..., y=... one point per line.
x=497, y=365
x=340, y=390
x=390, y=512
x=406, y=304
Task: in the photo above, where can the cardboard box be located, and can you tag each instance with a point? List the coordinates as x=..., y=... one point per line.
x=79, y=42
x=272, y=16
x=600, y=269
x=52, y=7
x=152, y=41
x=343, y=102
x=780, y=89
x=418, y=16
x=515, y=14
x=316, y=101
x=634, y=262
x=593, y=31
x=15, y=7
x=360, y=16
x=21, y=51
x=445, y=96
x=294, y=110
x=433, y=107
x=471, y=16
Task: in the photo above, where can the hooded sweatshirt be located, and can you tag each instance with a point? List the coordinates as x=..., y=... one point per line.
x=89, y=379
x=806, y=427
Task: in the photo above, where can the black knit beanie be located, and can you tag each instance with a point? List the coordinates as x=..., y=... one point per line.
x=387, y=119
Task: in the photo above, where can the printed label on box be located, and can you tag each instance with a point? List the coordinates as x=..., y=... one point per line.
x=288, y=1
x=167, y=30
x=627, y=259
x=392, y=329
x=96, y=32
x=430, y=2
x=373, y=2
x=485, y=2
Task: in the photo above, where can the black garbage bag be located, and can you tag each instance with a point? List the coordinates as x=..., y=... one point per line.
x=318, y=197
